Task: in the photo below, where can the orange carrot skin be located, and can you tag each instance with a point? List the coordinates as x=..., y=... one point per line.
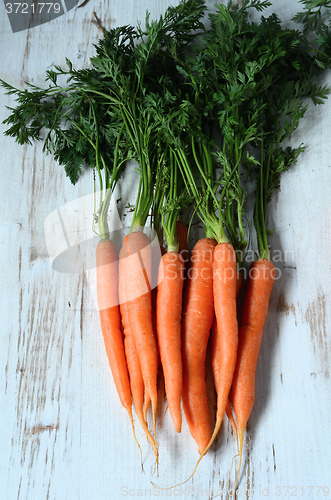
x=168, y=327
x=157, y=253
x=225, y=333
x=135, y=375
x=107, y=288
x=136, y=274
x=155, y=267
x=137, y=383
x=228, y=408
x=225, y=341
x=259, y=286
x=198, y=315
x=225, y=338
x=136, y=378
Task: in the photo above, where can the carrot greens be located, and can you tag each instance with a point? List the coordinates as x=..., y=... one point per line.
x=71, y=124
x=285, y=104
x=222, y=83
x=136, y=65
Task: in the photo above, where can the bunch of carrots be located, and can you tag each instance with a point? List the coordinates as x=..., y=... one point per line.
x=196, y=108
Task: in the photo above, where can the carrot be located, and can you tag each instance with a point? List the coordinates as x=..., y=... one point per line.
x=107, y=289
x=136, y=275
x=135, y=374
x=198, y=314
x=168, y=326
x=147, y=402
x=157, y=252
x=259, y=286
x=228, y=409
x=225, y=343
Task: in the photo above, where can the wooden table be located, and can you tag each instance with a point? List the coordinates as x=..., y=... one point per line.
x=64, y=434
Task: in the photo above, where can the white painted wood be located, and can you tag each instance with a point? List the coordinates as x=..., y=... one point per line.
x=64, y=434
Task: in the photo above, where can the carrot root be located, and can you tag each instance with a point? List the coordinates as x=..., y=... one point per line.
x=134, y=435
x=241, y=445
x=147, y=402
x=229, y=414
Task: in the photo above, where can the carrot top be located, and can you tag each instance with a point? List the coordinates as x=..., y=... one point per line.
x=291, y=76
x=136, y=66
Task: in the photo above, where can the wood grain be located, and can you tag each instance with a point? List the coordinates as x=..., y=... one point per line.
x=64, y=434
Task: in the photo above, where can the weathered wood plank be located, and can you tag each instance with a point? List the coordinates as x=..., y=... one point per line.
x=64, y=433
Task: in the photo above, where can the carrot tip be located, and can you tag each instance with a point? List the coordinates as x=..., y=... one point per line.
x=230, y=416
x=241, y=445
x=202, y=452
x=148, y=435
x=178, y=426
x=164, y=414
x=134, y=435
x=154, y=408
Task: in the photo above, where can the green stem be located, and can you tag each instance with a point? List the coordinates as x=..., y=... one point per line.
x=208, y=217
x=198, y=164
x=259, y=212
x=169, y=218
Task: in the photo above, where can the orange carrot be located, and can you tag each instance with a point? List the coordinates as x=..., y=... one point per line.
x=198, y=314
x=136, y=378
x=136, y=274
x=259, y=286
x=225, y=343
x=228, y=409
x=157, y=253
x=168, y=327
x=107, y=288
